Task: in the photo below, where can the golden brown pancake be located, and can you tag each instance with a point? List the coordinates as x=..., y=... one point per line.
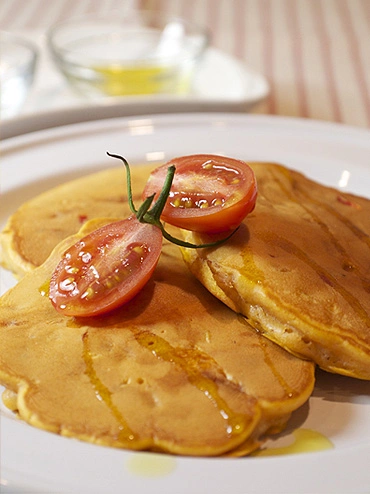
x=173, y=370
x=41, y=223
x=299, y=269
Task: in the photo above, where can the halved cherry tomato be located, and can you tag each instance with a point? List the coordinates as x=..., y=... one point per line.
x=209, y=193
x=106, y=268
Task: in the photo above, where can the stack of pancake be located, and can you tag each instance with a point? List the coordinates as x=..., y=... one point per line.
x=299, y=270
x=175, y=369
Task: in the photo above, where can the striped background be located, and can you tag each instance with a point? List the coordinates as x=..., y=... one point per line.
x=314, y=53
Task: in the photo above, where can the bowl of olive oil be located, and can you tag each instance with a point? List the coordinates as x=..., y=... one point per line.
x=128, y=53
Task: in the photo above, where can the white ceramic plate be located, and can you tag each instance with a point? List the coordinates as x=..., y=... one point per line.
x=336, y=417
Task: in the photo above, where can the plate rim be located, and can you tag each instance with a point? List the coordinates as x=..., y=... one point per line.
x=60, y=118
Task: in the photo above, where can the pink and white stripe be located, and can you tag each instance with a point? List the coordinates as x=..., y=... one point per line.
x=314, y=53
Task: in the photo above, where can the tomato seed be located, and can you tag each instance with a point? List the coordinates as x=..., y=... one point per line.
x=88, y=294
x=218, y=202
x=208, y=165
x=85, y=257
x=68, y=284
x=139, y=249
x=71, y=269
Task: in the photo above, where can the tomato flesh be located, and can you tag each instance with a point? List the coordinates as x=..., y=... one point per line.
x=209, y=193
x=106, y=268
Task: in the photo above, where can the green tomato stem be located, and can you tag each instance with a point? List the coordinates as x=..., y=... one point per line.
x=189, y=245
x=143, y=209
x=128, y=174
x=160, y=203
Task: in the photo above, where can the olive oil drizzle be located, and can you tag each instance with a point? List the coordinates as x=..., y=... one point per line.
x=192, y=361
x=361, y=235
x=349, y=224
x=348, y=263
x=195, y=364
x=325, y=275
x=103, y=393
x=288, y=390
x=294, y=198
x=262, y=344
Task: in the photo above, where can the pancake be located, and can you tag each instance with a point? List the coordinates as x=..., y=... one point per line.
x=173, y=370
x=299, y=270
x=41, y=223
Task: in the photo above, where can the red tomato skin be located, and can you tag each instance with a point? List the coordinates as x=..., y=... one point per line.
x=215, y=219
x=105, y=245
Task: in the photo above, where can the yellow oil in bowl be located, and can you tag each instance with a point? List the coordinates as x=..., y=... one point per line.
x=128, y=53
x=139, y=80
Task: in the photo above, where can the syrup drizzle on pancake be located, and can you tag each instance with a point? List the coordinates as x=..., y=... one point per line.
x=103, y=393
x=348, y=263
x=288, y=389
x=195, y=364
x=325, y=275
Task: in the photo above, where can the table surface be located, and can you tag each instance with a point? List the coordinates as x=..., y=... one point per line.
x=315, y=54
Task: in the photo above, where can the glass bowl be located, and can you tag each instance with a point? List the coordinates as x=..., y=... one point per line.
x=128, y=53
x=18, y=58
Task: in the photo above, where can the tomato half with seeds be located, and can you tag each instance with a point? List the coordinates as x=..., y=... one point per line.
x=209, y=193
x=105, y=269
